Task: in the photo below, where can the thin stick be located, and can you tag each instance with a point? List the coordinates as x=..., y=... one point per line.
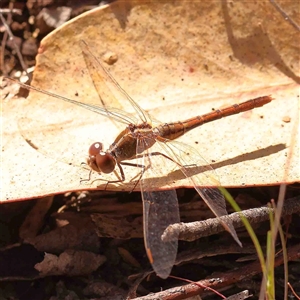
x=285, y=15
x=11, y=37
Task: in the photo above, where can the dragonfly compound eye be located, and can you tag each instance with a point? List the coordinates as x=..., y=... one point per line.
x=100, y=161
x=95, y=149
x=105, y=162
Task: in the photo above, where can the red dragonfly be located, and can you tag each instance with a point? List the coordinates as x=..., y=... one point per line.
x=151, y=146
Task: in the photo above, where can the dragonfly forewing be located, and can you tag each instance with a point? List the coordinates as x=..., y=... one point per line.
x=109, y=91
x=98, y=76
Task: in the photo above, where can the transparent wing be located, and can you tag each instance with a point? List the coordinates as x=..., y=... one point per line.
x=114, y=113
x=160, y=210
x=203, y=178
x=106, y=86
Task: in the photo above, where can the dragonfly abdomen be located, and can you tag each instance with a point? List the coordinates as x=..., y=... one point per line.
x=172, y=131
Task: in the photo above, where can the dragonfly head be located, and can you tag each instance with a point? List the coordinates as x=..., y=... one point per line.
x=100, y=161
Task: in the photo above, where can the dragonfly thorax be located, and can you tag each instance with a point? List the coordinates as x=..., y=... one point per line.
x=100, y=161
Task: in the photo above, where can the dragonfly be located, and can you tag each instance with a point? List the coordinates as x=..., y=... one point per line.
x=147, y=144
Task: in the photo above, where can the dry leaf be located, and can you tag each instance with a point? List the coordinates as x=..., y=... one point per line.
x=176, y=60
x=120, y=228
x=70, y=263
x=81, y=237
x=35, y=218
x=104, y=289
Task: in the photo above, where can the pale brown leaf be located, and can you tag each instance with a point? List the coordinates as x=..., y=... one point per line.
x=176, y=60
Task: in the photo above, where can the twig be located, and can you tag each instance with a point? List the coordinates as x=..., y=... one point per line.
x=220, y=280
x=11, y=37
x=195, y=230
x=6, y=11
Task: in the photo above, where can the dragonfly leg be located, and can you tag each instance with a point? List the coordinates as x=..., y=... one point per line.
x=169, y=158
x=143, y=167
x=115, y=181
x=164, y=155
x=140, y=175
x=86, y=179
x=121, y=173
x=100, y=179
x=85, y=166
